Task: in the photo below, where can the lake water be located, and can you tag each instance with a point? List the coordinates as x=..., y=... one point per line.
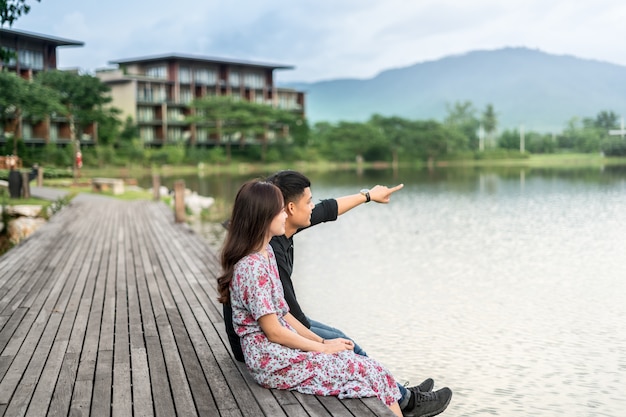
x=508, y=286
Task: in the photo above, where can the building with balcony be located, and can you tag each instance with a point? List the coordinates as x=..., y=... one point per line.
x=31, y=54
x=156, y=92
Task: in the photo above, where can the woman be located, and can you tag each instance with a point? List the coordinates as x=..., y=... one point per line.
x=279, y=351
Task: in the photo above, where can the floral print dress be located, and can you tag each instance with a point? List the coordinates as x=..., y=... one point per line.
x=255, y=291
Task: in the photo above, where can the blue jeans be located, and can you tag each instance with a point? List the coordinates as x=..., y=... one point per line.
x=326, y=332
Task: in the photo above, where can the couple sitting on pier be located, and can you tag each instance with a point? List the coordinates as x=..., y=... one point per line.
x=281, y=346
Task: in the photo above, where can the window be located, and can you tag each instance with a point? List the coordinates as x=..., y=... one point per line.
x=175, y=115
x=146, y=134
x=185, y=95
x=151, y=93
x=27, y=131
x=202, y=135
x=30, y=59
x=288, y=102
x=234, y=79
x=157, y=72
x=253, y=80
x=174, y=134
x=159, y=94
x=145, y=114
x=205, y=76
x=144, y=93
x=54, y=133
x=184, y=75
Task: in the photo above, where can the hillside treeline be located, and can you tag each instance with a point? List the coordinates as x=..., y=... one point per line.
x=256, y=132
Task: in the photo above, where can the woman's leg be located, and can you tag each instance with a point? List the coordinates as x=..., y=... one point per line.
x=396, y=409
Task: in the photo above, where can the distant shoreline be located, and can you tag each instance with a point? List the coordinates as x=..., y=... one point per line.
x=242, y=168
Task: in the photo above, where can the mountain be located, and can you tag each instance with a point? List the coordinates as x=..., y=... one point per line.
x=526, y=86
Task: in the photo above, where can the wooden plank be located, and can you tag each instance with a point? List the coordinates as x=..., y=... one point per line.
x=82, y=393
x=69, y=306
x=101, y=402
x=62, y=395
x=377, y=407
x=186, y=301
x=118, y=315
x=161, y=392
x=204, y=402
x=103, y=377
x=23, y=392
x=312, y=405
x=11, y=325
x=142, y=396
x=187, y=343
x=162, y=302
x=40, y=312
x=122, y=391
x=216, y=380
x=141, y=392
x=358, y=408
x=335, y=407
x=159, y=382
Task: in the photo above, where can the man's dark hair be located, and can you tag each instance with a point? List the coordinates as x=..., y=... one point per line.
x=291, y=184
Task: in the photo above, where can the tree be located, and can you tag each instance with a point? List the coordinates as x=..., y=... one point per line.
x=21, y=99
x=606, y=120
x=396, y=130
x=489, y=121
x=431, y=139
x=462, y=117
x=11, y=10
x=232, y=119
x=582, y=136
x=347, y=141
x=83, y=96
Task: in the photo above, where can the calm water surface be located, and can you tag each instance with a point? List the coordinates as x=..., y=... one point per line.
x=507, y=286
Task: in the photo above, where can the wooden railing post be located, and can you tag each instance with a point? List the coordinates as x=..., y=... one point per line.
x=25, y=185
x=179, y=201
x=156, y=187
x=40, y=177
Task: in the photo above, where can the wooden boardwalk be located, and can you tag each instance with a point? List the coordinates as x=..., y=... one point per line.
x=110, y=310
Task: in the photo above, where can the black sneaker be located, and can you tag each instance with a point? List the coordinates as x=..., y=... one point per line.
x=425, y=386
x=428, y=404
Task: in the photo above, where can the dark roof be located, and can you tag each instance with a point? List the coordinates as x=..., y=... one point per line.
x=13, y=34
x=198, y=58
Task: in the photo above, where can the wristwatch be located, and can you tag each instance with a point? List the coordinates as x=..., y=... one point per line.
x=366, y=193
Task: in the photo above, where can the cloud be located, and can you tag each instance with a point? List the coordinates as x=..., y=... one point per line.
x=328, y=39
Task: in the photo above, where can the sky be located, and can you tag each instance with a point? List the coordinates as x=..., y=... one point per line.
x=326, y=39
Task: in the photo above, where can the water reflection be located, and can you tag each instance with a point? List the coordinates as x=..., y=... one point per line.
x=505, y=284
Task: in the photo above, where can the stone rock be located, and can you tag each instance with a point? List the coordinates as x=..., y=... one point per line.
x=196, y=203
x=23, y=227
x=24, y=210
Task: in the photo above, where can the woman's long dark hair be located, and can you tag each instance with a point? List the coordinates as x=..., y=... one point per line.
x=256, y=204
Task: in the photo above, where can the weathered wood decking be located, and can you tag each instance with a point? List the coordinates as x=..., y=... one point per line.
x=110, y=309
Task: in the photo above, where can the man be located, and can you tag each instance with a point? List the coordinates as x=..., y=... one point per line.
x=302, y=214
